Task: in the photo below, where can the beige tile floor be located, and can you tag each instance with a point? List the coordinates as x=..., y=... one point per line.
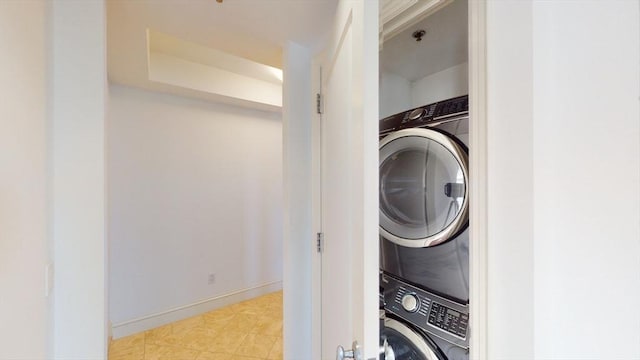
x=248, y=330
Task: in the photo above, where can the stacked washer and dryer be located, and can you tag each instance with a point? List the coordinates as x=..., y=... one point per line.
x=424, y=241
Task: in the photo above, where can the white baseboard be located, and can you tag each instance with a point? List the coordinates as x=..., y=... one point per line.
x=148, y=322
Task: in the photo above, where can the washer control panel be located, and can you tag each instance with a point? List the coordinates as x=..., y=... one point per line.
x=434, y=314
x=448, y=319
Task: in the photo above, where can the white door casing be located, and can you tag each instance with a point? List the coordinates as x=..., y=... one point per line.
x=349, y=162
x=478, y=175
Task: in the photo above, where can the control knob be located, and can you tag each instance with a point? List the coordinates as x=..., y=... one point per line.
x=410, y=302
x=415, y=114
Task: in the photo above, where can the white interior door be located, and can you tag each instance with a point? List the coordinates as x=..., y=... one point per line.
x=349, y=300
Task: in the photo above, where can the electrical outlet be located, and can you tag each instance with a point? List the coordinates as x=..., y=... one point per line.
x=212, y=279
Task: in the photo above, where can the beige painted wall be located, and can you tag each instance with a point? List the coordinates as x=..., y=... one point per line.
x=23, y=179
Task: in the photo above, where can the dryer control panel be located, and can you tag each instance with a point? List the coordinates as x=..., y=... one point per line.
x=425, y=115
x=434, y=314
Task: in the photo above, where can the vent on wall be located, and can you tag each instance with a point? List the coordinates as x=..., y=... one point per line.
x=211, y=73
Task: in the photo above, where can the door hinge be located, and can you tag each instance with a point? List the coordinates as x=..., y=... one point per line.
x=319, y=103
x=320, y=242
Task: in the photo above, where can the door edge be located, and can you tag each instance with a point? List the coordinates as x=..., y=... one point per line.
x=478, y=183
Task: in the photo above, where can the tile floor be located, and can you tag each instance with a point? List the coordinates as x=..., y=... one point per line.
x=248, y=330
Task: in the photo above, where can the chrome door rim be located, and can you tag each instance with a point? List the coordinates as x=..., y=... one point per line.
x=461, y=219
x=417, y=340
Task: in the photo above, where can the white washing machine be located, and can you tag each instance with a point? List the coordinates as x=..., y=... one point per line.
x=424, y=242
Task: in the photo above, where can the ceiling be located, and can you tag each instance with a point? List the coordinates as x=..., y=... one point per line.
x=251, y=29
x=444, y=44
x=257, y=30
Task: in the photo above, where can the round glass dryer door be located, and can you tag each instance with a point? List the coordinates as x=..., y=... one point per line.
x=403, y=343
x=423, y=187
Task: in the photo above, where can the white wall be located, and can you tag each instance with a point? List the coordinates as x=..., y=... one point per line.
x=194, y=188
x=398, y=94
x=510, y=197
x=79, y=104
x=442, y=85
x=225, y=86
x=564, y=175
x=23, y=179
x=586, y=131
x=395, y=94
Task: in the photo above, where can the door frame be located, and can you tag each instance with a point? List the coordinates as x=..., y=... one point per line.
x=478, y=175
x=478, y=189
x=316, y=183
x=478, y=208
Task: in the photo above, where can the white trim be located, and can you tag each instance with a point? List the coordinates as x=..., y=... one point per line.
x=144, y=323
x=297, y=229
x=316, y=183
x=398, y=19
x=390, y=9
x=479, y=175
